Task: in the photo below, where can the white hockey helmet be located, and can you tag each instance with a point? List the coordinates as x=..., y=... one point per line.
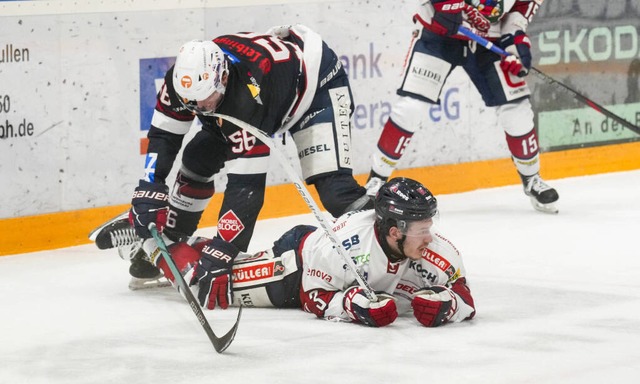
x=198, y=70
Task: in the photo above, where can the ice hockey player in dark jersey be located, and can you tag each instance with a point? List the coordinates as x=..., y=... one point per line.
x=395, y=247
x=286, y=79
x=436, y=49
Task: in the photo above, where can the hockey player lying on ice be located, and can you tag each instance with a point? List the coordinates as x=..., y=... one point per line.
x=407, y=264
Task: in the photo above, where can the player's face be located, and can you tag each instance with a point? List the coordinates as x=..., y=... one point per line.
x=209, y=105
x=417, y=237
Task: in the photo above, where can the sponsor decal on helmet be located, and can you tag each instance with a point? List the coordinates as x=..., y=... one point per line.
x=186, y=81
x=394, y=209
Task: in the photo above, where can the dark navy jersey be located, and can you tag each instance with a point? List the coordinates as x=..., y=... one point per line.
x=264, y=85
x=265, y=78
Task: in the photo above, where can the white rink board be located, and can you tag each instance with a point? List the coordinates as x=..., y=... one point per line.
x=77, y=85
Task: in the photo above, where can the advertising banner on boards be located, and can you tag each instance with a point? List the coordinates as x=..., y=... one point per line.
x=77, y=86
x=593, y=47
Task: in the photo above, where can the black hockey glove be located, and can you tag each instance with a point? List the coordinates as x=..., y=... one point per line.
x=448, y=16
x=372, y=313
x=150, y=204
x=519, y=61
x=213, y=274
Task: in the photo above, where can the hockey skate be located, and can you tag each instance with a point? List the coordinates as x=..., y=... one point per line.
x=374, y=183
x=542, y=196
x=366, y=201
x=118, y=233
x=144, y=274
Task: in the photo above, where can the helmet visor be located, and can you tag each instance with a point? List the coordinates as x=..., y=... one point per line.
x=420, y=228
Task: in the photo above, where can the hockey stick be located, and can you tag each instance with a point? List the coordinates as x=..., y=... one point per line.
x=304, y=192
x=550, y=80
x=219, y=343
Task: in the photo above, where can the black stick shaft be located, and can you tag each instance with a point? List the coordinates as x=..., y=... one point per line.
x=219, y=343
x=550, y=80
x=586, y=101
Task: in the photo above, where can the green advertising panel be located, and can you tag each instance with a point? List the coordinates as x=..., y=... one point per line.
x=581, y=127
x=593, y=47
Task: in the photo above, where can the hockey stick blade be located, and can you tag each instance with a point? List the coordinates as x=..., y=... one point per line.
x=219, y=343
x=550, y=80
x=306, y=196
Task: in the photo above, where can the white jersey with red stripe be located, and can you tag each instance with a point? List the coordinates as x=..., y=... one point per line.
x=441, y=264
x=325, y=275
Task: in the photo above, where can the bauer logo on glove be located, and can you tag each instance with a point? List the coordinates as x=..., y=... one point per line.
x=149, y=204
x=213, y=274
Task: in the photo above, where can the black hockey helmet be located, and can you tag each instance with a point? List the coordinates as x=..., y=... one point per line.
x=401, y=200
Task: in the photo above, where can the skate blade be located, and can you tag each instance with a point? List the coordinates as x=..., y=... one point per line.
x=136, y=284
x=93, y=234
x=545, y=208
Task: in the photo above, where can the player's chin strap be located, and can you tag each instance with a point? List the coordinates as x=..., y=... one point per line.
x=299, y=184
x=400, y=244
x=392, y=255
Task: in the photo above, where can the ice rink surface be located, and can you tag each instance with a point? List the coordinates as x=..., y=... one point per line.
x=557, y=297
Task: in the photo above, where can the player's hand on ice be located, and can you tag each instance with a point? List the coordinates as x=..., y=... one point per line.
x=448, y=16
x=149, y=204
x=476, y=19
x=213, y=274
x=519, y=61
x=372, y=313
x=434, y=306
x=280, y=31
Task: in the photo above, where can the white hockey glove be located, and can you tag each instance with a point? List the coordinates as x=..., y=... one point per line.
x=280, y=31
x=434, y=306
x=372, y=313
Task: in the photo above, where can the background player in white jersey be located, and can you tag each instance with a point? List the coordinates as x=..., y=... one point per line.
x=436, y=50
x=394, y=247
x=285, y=79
